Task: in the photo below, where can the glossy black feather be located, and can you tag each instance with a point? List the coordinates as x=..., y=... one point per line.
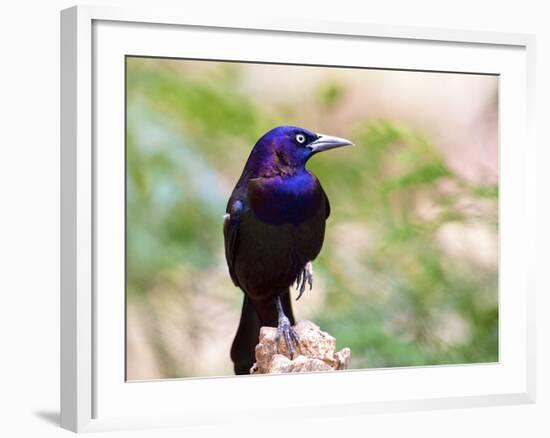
x=274, y=225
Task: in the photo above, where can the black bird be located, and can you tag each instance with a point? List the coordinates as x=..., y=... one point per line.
x=274, y=228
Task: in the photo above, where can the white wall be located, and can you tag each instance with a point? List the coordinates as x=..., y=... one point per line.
x=29, y=231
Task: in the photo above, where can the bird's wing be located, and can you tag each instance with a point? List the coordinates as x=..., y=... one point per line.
x=231, y=224
x=327, y=203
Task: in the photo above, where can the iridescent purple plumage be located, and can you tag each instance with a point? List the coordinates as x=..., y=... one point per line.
x=273, y=229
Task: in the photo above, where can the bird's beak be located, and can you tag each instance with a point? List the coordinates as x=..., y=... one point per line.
x=326, y=142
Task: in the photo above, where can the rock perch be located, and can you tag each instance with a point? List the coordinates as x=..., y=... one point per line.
x=316, y=352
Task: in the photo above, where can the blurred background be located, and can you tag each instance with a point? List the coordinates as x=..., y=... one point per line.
x=408, y=274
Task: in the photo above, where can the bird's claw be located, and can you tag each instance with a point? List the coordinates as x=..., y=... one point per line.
x=306, y=275
x=287, y=332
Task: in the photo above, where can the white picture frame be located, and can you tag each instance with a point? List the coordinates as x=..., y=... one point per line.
x=94, y=395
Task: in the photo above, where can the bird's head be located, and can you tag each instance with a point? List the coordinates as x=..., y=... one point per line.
x=286, y=149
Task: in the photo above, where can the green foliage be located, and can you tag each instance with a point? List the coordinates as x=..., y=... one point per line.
x=331, y=93
x=393, y=293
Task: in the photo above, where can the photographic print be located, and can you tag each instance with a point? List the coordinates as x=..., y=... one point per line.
x=285, y=218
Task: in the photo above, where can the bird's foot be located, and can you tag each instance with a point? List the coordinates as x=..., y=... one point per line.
x=287, y=332
x=305, y=276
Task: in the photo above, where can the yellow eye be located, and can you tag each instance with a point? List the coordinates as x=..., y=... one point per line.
x=300, y=138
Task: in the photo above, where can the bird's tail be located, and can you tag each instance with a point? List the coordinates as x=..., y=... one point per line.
x=254, y=315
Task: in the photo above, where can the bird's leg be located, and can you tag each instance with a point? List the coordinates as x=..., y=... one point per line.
x=305, y=275
x=285, y=330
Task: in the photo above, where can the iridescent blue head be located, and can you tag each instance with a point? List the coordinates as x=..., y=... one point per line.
x=286, y=149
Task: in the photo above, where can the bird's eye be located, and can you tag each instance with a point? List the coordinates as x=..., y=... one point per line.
x=300, y=138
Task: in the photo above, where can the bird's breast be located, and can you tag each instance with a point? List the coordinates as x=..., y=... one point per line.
x=285, y=199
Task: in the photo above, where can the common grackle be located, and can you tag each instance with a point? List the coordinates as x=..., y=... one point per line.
x=273, y=228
